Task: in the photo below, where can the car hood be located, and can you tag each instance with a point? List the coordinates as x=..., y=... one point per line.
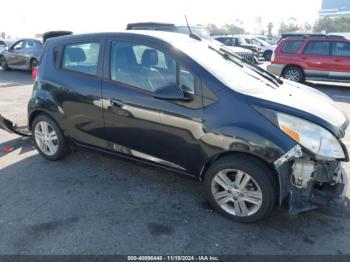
x=302, y=101
x=237, y=49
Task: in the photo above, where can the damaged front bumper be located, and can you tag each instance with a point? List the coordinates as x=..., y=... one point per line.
x=310, y=183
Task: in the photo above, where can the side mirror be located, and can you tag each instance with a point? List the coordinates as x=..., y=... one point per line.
x=170, y=92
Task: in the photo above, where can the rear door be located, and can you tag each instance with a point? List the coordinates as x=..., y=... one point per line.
x=141, y=126
x=340, y=69
x=317, y=59
x=77, y=84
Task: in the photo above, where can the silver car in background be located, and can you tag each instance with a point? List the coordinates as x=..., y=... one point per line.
x=23, y=54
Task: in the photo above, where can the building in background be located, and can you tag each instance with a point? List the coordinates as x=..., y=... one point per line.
x=333, y=8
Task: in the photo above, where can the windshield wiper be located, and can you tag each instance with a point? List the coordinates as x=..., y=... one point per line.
x=228, y=56
x=255, y=68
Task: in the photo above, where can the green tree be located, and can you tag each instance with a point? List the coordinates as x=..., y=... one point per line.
x=269, y=28
x=336, y=24
x=289, y=26
x=226, y=29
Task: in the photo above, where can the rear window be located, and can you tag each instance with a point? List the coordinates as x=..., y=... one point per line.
x=341, y=49
x=82, y=57
x=318, y=48
x=291, y=47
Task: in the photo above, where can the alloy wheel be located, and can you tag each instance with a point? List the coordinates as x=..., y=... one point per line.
x=236, y=192
x=46, y=138
x=293, y=75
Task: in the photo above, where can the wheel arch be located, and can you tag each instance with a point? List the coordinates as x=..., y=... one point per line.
x=38, y=112
x=293, y=65
x=266, y=165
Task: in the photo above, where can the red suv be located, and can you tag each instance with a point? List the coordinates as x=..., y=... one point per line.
x=312, y=58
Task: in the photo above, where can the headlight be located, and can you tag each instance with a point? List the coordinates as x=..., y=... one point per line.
x=313, y=137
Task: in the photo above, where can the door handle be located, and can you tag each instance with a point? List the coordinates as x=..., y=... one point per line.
x=116, y=103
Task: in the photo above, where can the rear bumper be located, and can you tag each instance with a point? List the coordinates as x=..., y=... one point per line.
x=275, y=69
x=8, y=126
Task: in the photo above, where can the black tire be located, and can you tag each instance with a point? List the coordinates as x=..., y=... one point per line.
x=268, y=55
x=63, y=149
x=256, y=170
x=3, y=64
x=294, y=73
x=33, y=63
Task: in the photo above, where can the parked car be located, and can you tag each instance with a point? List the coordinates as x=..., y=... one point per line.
x=265, y=49
x=180, y=104
x=23, y=54
x=238, y=41
x=312, y=58
x=200, y=31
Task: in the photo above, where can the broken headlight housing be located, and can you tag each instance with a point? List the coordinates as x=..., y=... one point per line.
x=311, y=136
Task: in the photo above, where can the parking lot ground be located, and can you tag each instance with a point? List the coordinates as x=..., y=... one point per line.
x=92, y=204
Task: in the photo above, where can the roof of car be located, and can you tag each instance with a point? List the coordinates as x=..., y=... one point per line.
x=325, y=38
x=170, y=37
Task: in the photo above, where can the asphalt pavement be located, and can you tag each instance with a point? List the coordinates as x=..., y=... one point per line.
x=92, y=204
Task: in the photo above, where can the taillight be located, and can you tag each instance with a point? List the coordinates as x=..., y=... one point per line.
x=273, y=57
x=35, y=73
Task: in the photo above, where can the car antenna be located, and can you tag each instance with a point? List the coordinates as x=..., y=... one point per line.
x=192, y=35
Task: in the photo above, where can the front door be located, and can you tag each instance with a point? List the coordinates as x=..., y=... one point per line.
x=141, y=126
x=340, y=69
x=15, y=54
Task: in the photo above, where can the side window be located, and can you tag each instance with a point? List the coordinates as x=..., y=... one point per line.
x=318, y=48
x=82, y=57
x=17, y=46
x=29, y=44
x=291, y=47
x=186, y=80
x=341, y=49
x=141, y=66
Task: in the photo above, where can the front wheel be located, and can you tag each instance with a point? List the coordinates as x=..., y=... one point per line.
x=49, y=139
x=33, y=64
x=293, y=73
x=241, y=189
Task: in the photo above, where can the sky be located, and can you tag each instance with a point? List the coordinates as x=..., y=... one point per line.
x=23, y=18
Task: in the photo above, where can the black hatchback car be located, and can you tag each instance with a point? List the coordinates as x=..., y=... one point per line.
x=194, y=108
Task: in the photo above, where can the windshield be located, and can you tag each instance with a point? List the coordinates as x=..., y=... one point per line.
x=233, y=74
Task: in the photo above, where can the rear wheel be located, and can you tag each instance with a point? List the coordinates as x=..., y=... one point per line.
x=49, y=139
x=33, y=63
x=3, y=64
x=293, y=73
x=241, y=189
x=268, y=55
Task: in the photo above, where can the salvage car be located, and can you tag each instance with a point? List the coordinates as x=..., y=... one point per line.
x=23, y=54
x=194, y=108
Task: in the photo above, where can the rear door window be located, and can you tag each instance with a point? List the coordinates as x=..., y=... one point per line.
x=82, y=57
x=291, y=47
x=147, y=68
x=341, y=49
x=318, y=48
